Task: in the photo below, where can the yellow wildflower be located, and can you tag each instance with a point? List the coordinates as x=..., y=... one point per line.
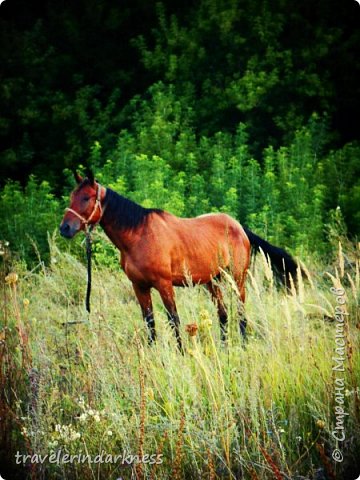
x=12, y=278
x=320, y=424
x=205, y=319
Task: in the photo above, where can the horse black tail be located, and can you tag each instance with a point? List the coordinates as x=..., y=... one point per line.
x=282, y=262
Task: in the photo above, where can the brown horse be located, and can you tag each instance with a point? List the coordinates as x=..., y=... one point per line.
x=160, y=250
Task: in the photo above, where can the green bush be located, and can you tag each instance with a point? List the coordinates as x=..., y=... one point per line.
x=27, y=216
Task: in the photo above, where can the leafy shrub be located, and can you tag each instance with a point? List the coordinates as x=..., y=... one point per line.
x=27, y=215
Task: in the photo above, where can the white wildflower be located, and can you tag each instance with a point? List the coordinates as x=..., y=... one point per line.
x=83, y=417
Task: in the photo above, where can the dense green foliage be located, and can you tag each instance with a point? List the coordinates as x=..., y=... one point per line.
x=287, y=196
x=218, y=105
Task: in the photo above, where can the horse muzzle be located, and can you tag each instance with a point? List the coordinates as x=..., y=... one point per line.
x=67, y=230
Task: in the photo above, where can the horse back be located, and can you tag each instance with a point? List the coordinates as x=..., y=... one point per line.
x=199, y=247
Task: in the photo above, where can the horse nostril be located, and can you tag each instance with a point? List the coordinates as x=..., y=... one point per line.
x=64, y=229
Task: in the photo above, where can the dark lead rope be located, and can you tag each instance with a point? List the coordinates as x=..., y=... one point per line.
x=88, y=256
x=88, y=289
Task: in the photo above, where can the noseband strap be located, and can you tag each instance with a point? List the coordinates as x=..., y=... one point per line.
x=97, y=205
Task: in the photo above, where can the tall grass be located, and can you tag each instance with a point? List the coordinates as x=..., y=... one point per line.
x=91, y=384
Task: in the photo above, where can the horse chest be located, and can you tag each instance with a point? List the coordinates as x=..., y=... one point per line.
x=135, y=270
x=129, y=268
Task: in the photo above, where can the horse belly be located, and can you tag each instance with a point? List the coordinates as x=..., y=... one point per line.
x=199, y=267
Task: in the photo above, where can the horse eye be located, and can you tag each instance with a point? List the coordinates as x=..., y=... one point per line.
x=85, y=199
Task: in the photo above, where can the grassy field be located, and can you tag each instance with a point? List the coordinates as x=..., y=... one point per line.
x=92, y=386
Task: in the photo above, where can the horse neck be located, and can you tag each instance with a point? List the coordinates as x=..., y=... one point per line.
x=123, y=239
x=117, y=224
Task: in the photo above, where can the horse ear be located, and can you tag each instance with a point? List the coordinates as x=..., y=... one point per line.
x=78, y=178
x=90, y=175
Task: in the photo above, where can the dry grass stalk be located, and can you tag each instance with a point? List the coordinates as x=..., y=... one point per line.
x=11, y=374
x=139, y=467
x=253, y=474
x=179, y=446
x=271, y=463
x=254, y=284
x=325, y=461
x=12, y=280
x=353, y=287
x=292, y=287
x=341, y=261
x=269, y=460
x=308, y=275
x=158, y=454
x=300, y=284
x=267, y=267
x=212, y=474
x=231, y=281
x=349, y=346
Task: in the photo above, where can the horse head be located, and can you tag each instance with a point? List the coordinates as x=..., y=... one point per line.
x=85, y=208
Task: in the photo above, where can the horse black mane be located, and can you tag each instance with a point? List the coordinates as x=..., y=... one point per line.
x=124, y=213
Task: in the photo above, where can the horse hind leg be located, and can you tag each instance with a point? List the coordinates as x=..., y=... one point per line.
x=240, y=265
x=217, y=297
x=241, y=308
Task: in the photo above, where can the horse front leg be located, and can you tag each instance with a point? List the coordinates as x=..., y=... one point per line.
x=167, y=295
x=144, y=297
